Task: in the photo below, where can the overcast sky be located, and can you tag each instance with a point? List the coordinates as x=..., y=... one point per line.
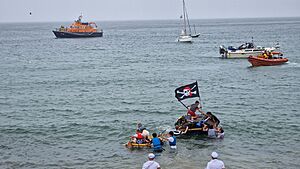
x=102, y=10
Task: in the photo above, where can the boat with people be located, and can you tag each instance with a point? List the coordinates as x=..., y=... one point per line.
x=204, y=124
x=262, y=61
x=79, y=29
x=185, y=35
x=143, y=139
x=245, y=50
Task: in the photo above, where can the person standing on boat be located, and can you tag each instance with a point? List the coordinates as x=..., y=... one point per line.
x=151, y=164
x=193, y=108
x=157, y=143
x=214, y=162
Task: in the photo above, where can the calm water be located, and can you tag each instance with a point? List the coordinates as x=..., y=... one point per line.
x=72, y=103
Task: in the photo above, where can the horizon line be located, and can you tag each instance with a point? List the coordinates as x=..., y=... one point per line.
x=132, y=20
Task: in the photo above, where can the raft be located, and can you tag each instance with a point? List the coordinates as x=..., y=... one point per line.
x=190, y=132
x=129, y=144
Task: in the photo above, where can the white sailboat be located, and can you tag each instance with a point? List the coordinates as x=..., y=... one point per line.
x=185, y=36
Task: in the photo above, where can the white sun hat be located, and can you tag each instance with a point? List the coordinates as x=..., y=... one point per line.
x=214, y=155
x=151, y=155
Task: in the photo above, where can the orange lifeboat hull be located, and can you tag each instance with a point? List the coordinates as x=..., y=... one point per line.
x=257, y=61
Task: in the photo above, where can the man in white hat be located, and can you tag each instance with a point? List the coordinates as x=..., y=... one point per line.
x=151, y=164
x=214, y=162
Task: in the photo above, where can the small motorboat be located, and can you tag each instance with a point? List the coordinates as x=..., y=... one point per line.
x=244, y=50
x=262, y=61
x=79, y=30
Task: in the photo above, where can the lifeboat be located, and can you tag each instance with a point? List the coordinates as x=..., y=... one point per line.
x=261, y=61
x=79, y=29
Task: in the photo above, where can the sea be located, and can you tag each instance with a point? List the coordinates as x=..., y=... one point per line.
x=74, y=103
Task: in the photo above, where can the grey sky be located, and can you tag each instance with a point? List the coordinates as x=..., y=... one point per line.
x=100, y=10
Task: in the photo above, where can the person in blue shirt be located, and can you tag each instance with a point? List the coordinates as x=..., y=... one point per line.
x=157, y=143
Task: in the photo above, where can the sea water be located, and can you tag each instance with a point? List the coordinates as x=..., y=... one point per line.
x=73, y=103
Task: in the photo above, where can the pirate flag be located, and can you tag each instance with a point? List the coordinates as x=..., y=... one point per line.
x=187, y=91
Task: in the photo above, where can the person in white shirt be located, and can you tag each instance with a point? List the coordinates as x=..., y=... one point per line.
x=214, y=162
x=151, y=164
x=220, y=133
x=172, y=140
x=211, y=133
x=146, y=134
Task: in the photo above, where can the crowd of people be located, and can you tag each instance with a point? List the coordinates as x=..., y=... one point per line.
x=205, y=121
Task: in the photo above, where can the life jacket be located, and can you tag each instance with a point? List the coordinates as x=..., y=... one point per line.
x=156, y=143
x=174, y=142
x=139, y=136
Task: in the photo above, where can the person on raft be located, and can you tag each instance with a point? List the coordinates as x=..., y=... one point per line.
x=139, y=126
x=192, y=109
x=157, y=143
x=145, y=134
x=138, y=137
x=212, y=118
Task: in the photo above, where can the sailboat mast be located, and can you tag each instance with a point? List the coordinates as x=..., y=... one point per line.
x=187, y=18
x=184, y=16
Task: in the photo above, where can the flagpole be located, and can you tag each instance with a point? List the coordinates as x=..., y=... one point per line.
x=183, y=104
x=199, y=95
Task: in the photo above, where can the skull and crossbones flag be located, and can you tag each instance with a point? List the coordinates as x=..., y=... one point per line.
x=187, y=91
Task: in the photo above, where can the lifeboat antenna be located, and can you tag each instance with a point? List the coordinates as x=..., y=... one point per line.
x=79, y=18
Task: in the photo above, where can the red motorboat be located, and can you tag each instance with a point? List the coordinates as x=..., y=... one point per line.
x=261, y=61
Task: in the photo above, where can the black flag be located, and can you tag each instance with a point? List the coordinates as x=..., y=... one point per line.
x=187, y=91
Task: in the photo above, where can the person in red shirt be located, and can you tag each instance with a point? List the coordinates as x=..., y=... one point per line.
x=138, y=137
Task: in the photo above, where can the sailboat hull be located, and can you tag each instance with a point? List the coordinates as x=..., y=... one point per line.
x=195, y=36
x=187, y=39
